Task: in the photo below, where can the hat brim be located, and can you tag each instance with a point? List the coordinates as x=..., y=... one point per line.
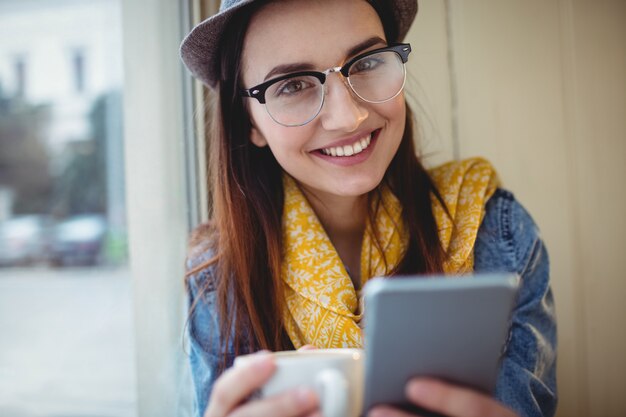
x=199, y=49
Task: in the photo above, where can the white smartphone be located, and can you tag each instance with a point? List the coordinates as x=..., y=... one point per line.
x=451, y=328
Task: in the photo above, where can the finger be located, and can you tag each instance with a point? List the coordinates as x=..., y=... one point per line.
x=238, y=382
x=385, y=411
x=453, y=400
x=308, y=347
x=297, y=402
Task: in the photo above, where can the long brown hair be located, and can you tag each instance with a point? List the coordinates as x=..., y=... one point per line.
x=247, y=204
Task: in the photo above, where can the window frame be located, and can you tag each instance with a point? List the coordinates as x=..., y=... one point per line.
x=166, y=193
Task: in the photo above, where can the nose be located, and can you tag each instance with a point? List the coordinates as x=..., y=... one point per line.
x=342, y=110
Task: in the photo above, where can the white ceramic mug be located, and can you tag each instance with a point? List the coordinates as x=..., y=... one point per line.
x=335, y=374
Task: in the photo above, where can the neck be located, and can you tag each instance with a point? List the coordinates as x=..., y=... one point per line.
x=341, y=216
x=344, y=219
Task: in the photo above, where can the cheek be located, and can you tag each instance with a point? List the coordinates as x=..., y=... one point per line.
x=282, y=141
x=396, y=109
x=265, y=132
x=394, y=114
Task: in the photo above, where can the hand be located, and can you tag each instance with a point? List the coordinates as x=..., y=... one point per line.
x=308, y=347
x=447, y=399
x=236, y=384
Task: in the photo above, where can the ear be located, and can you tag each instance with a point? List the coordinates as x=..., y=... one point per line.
x=257, y=137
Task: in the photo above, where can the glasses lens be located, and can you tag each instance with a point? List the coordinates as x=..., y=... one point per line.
x=295, y=100
x=378, y=77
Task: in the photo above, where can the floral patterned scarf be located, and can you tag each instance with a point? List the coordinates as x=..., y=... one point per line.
x=322, y=306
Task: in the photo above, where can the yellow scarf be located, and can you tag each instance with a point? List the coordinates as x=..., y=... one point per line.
x=322, y=306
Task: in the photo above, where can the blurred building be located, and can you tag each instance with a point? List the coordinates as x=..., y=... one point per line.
x=64, y=53
x=67, y=54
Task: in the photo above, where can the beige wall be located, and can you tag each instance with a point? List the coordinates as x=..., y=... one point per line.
x=539, y=88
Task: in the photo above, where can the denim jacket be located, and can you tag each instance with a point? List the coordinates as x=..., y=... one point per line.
x=508, y=241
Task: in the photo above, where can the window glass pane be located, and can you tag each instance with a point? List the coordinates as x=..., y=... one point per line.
x=65, y=295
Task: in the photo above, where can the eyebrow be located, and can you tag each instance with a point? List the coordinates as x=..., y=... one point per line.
x=306, y=66
x=368, y=43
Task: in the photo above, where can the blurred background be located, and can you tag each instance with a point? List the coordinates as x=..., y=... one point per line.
x=103, y=167
x=62, y=167
x=65, y=292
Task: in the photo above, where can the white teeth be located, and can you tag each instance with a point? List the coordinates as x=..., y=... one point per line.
x=349, y=150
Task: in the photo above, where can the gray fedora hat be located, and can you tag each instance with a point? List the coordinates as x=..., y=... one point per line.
x=200, y=47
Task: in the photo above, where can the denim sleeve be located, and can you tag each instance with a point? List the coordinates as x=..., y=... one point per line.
x=203, y=335
x=509, y=240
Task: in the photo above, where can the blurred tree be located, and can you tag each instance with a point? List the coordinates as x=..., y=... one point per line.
x=81, y=187
x=24, y=160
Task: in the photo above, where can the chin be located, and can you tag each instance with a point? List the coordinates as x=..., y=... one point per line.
x=357, y=188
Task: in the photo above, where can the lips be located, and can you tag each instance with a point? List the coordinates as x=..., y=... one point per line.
x=351, y=149
x=355, y=147
x=346, y=151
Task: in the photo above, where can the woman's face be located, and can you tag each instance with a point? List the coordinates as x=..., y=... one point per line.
x=323, y=34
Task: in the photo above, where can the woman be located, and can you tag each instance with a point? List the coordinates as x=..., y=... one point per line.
x=316, y=187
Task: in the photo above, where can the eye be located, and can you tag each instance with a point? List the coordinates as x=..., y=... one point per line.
x=293, y=86
x=369, y=63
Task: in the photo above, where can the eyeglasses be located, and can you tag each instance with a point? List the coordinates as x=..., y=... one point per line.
x=295, y=99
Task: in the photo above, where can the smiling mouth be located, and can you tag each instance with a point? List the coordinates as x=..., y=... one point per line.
x=349, y=150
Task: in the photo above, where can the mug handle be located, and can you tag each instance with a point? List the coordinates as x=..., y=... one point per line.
x=333, y=392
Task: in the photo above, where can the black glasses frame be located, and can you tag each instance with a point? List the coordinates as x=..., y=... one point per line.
x=258, y=91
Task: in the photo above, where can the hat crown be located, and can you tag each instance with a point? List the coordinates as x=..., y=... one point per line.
x=199, y=48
